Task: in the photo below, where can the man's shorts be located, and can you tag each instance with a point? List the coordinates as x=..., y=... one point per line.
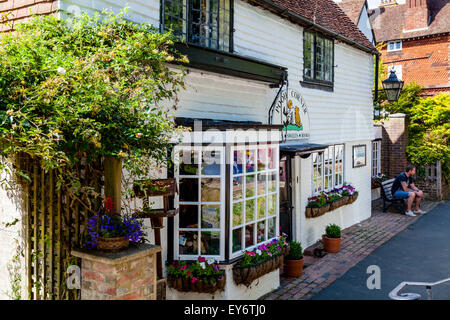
x=400, y=194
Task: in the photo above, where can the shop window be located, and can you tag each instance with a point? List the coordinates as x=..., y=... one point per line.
x=318, y=56
x=376, y=158
x=201, y=22
x=254, y=200
x=201, y=181
x=328, y=168
x=253, y=197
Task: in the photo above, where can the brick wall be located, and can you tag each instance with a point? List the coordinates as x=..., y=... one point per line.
x=424, y=61
x=21, y=10
x=393, y=146
x=416, y=14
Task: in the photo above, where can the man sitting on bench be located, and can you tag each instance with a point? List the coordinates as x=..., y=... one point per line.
x=404, y=188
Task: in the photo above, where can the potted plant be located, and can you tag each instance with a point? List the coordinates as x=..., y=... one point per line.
x=332, y=238
x=203, y=276
x=316, y=205
x=293, y=262
x=377, y=180
x=110, y=231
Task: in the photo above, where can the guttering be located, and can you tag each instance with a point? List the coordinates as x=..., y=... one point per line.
x=304, y=21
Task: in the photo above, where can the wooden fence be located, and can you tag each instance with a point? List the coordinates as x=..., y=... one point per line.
x=56, y=223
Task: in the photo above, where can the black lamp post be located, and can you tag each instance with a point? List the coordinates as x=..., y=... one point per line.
x=392, y=86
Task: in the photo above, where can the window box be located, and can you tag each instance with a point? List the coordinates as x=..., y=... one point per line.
x=246, y=275
x=200, y=286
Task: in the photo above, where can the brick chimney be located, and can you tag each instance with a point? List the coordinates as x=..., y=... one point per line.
x=416, y=14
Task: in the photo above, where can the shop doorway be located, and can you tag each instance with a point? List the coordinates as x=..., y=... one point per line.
x=286, y=195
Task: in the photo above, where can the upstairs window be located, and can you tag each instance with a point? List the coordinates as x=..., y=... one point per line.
x=394, y=46
x=318, y=58
x=204, y=23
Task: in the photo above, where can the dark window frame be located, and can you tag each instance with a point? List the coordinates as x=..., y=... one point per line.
x=189, y=21
x=313, y=79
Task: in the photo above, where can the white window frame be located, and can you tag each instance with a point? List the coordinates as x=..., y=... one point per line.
x=324, y=159
x=199, y=203
x=256, y=220
x=395, y=46
x=376, y=157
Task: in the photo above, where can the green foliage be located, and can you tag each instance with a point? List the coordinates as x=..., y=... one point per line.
x=296, y=251
x=333, y=231
x=86, y=88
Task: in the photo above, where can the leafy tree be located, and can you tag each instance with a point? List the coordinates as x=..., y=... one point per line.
x=87, y=87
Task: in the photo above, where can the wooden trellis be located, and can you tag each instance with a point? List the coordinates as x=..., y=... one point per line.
x=56, y=223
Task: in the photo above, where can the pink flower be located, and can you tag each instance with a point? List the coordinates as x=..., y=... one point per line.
x=188, y=273
x=183, y=268
x=194, y=280
x=201, y=259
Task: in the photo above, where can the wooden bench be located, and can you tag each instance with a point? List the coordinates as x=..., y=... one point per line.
x=388, y=199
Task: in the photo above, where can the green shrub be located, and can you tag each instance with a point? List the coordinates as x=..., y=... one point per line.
x=296, y=251
x=332, y=231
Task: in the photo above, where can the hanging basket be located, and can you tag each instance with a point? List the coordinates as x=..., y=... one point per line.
x=246, y=275
x=112, y=244
x=200, y=286
x=156, y=187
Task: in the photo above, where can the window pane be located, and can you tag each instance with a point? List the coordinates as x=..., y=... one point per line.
x=391, y=46
x=250, y=160
x=188, y=162
x=249, y=210
x=261, y=234
x=271, y=204
x=262, y=159
x=249, y=235
x=272, y=157
x=188, y=243
x=174, y=17
x=188, y=216
x=261, y=207
x=250, y=185
x=238, y=160
x=271, y=232
x=308, y=54
x=319, y=58
x=210, y=243
x=211, y=190
x=188, y=189
x=237, y=214
x=272, y=181
x=237, y=240
x=261, y=183
x=238, y=187
x=211, y=163
x=211, y=216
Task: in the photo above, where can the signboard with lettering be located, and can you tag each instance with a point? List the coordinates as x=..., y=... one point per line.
x=292, y=112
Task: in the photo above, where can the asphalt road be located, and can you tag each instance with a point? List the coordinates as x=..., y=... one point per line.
x=419, y=253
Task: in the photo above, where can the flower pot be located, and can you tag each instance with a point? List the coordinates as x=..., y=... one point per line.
x=201, y=286
x=293, y=268
x=156, y=187
x=112, y=244
x=331, y=245
x=246, y=275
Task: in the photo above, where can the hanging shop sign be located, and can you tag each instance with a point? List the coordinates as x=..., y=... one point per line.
x=292, y=111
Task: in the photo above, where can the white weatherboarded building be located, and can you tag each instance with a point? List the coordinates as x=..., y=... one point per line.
x=240, y=53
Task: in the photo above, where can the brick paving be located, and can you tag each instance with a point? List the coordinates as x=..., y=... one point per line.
x=358, y=241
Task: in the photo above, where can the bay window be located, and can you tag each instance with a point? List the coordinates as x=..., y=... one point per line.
x=328, y=168
x=240, y=179
x=201, y=22
x=318, y=58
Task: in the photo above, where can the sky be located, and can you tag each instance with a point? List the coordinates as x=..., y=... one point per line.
x=375, y=3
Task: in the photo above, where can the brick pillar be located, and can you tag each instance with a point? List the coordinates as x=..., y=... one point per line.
x=395, y=140
x=125, y=275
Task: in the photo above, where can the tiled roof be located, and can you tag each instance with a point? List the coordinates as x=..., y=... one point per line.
x=352, y=8
x=388, y=22
x=324, y=13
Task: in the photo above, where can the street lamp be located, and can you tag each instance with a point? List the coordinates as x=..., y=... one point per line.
x=392, y=86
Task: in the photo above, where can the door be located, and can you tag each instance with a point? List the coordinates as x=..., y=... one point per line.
x=286, y=196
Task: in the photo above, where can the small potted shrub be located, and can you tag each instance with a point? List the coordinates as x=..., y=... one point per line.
x=293, y=262
x=332, y=238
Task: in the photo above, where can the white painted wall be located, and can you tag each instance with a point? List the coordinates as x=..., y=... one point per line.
x=10, y=210
x=310, y=230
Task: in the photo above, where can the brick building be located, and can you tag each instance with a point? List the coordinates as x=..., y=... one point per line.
x=416, y=41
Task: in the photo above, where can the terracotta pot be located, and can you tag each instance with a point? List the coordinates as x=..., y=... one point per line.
x=112, y=244
x=331, y=245
x=293, y=268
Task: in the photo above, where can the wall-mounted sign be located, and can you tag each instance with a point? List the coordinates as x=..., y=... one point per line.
x=292, y=112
